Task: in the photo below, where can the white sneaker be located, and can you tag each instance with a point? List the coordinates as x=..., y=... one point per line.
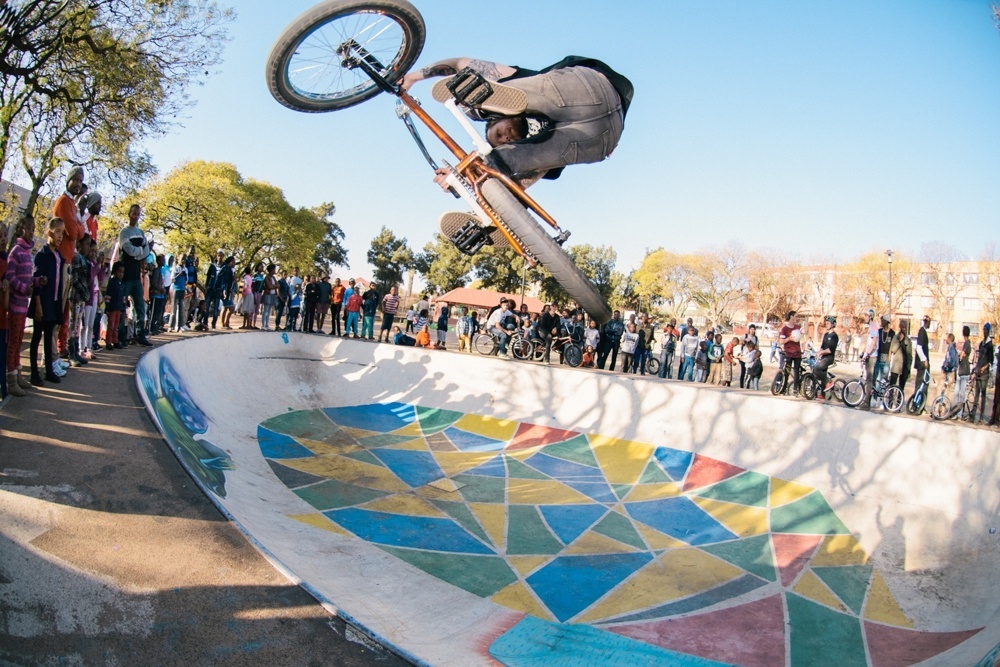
x=57, y=370
x=185, y=328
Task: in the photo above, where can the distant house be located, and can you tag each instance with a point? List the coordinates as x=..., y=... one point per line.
x=12, y=197
x=483, y=300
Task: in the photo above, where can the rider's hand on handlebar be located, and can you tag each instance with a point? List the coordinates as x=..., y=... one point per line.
x=441, y=176
x=409, y=79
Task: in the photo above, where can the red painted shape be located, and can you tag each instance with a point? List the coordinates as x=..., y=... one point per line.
x=751, y=634
x=889, y=646
x=705, y=471
x=533, y=435
x=792, y=553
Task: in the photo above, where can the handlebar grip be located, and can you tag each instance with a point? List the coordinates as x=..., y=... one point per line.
x=454, y=192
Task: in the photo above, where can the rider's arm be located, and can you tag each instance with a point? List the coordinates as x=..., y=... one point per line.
x=448, y=66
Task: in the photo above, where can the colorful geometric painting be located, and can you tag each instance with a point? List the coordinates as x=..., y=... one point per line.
x=612, y=548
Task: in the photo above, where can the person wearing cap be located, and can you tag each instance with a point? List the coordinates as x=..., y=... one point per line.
x=984, y=363
x=923, y=345
x=827, y=354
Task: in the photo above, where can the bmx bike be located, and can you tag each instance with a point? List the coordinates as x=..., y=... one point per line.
x=342, y=52
x=890, y=396
x=487, y=343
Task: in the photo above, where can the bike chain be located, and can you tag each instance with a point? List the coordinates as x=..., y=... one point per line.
x=486, y=206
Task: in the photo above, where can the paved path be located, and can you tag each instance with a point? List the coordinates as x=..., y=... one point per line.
x=111, y=555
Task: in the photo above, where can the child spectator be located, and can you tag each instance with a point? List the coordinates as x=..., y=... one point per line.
x=701, y=362
x=353, y=311
x=424, y=336
x=20, y=285
x=588, y=357
x=270, y=298
x=728, y=361
x=226, y=280
x=754, y=365
x=400, y=338
x=247, y=305
x=79, y=296
x=592, y=336
x=630, y=339
x=442, y=326
x=716, y=353
x=464, y=330
x=46, y=309
x=157, y=297
x=950, y=363
x=114, y=300
x=689, y=350
x=369, y=306
x=294, y=305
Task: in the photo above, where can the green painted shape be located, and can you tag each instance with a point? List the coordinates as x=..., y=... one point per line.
x=518, y=470
x=333, y=494
x=527, y=534
x=463, y=515
x=576, y=449
x=810, y=515
x=622, y=490
x=821, y=637
x=308, y=424
x=617, y=527
x=850, y=583
x=384, y=440
x=365, y=456
x=433, y=420
x=482, y=489
x=749, y=488
x=479, y=575
x=654, y=474
x=752, y=554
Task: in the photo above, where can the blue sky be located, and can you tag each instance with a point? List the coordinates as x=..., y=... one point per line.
x=824, y=130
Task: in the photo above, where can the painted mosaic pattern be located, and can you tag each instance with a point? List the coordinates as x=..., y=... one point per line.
x=625, y=548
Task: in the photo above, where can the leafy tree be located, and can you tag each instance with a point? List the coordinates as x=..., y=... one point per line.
x=442, y=266
x=331, y=251
x=720, y=280
x=942, y=277
x=864, y=283
x=499, y=269
x=597, y=263
x=771, y=279
x=666, y=280
x=391, y=257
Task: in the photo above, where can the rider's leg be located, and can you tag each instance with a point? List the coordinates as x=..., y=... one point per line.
x=797, y=374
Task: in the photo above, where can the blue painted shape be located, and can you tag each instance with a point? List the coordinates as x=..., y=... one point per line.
x=727, y=591
x=534, y=642
x=569, y=521
x=176, y=393
x=493, y=468
x=599, y=491
x=570, y=584
x=680, y=518
x=414, y=468
x=564, y=470
x=280, y=446
x=379, y=417
x=414, y=532
x=674, y=462
x=472, y=442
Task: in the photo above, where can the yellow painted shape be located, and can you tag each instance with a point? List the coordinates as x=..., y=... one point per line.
x=525, y=565
x=784, y=492
x=811, y=587
x=493, y=518
x=323, y=448
x=410, y=429
x=319, y=521
x=454, y=463
x=445, y=484
x=623, y=461
x=881, y=605
x=522, y=454
x=595, y=543
x=415, y=445
x=652, y=492
x=740, y=519
x=840, y=550
x=488, y=427
x=405, y=504
x=543, y=491
x=519, y=598
x=675, y=574
x=359, y=433
x=350, y=471
x=657, y=540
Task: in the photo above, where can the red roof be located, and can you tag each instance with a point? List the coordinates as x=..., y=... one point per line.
x=484, y=298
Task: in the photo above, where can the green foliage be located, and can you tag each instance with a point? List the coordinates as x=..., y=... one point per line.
x=211, y=206
x=500, y=270
x=597, y=263
x=442, y=266
x=391, y=257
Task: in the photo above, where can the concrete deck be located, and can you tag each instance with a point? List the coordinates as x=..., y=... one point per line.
x=466, y=510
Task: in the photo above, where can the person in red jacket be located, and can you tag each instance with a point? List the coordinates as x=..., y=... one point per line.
x=67, y=209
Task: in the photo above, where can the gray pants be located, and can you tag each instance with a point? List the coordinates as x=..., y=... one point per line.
x=587, y=113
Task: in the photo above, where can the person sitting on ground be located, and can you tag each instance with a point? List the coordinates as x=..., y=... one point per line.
x=400, y=338
x=588, y=357
x=424, y=336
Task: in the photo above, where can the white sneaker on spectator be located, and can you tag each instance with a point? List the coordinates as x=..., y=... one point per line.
x=185, y=328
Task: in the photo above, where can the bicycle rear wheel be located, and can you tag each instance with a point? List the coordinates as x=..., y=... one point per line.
x=521, y=348
x=778, y=384
x=854, y=393
x=653, y=366
x=893, y=399
x=573, y=355
x=838, y=390
x=304, y=71
x=485, y=344
x=809, y=387
x=915, y=405
x=940, y=408
x=545, y=249
x=537, y=349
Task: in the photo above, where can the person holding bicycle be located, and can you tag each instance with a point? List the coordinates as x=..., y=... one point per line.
x=548, y=328
x=500, y=326
x=789, y=338
x=876, y=354
x=981, y=374
x=923, y=344
x=827, y=355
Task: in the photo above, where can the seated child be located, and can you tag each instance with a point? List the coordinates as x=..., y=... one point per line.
x=424, y=336
x=400, y=338
x=588, y=357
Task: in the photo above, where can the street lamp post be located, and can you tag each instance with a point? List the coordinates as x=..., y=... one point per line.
x=888, y=254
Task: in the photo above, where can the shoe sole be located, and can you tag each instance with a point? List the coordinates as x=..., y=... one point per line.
x=452, y=222
x=504, y=100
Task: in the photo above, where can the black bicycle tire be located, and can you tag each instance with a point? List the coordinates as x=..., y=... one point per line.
x=940, y=408
x=404, y=13
x=545, y=249
x=778, y=384
x=493, y=344
x=573, y=355
x=653, y=366
x=515, y=346
x=893, y=399
x=809, y=385
x=838, y=389
x=537, y=349
x=917, y=403
x=848, y=392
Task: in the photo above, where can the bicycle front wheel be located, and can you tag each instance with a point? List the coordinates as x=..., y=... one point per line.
x=485, y=344
x=809, y=386
x=653, y=366
x=915, y=405
x=305, y=71
x=854, y=393
x=940, y=408
x=893, y=399
x=545, y=249
x=838, y=390
x=573, y=355
x=778, y=384
x=521, y=348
